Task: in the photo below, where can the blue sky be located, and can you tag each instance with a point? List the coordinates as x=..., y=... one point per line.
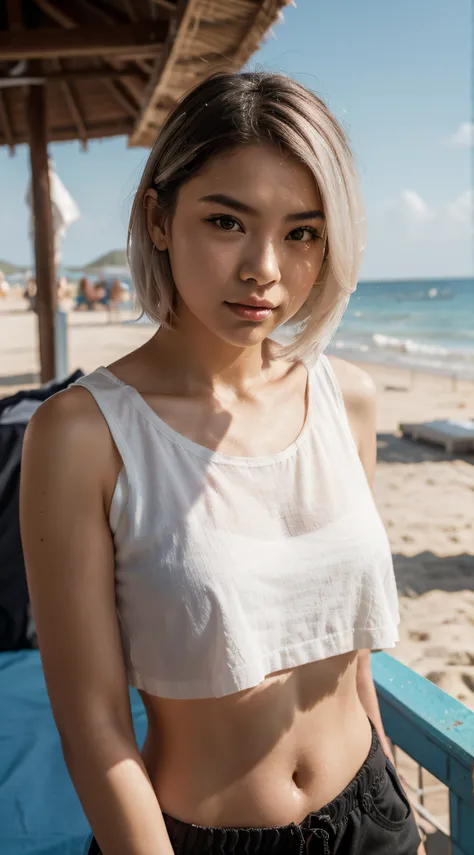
x=398, y=77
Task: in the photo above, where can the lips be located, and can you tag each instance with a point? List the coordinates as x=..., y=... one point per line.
x=250, y=313
x=254, y=304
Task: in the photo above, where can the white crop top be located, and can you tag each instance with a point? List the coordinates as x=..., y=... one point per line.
x=231, y=568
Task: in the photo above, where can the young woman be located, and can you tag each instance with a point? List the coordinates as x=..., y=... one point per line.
x=197, y=517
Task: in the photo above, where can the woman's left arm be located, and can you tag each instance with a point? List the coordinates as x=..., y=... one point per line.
x=361, y=412
x=368, y=698
x=360, y=393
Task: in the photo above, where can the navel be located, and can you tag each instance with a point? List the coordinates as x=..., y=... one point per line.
x=297, y=779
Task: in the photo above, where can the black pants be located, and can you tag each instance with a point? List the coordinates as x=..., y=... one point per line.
x=372, y=816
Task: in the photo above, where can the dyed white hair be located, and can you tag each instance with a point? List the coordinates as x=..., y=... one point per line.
x=230, y=110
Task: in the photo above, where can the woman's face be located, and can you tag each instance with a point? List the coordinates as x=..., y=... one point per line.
x=248, y=229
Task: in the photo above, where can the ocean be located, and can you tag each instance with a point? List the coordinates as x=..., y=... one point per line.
x=424, y=324
x=421, y=324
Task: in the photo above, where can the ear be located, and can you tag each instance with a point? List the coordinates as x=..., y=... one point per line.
x=156, y=227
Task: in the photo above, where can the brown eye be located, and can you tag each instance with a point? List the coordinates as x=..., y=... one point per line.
x=303, y=234
x=225, y=222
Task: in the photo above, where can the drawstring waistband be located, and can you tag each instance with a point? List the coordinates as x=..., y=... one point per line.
x=305, y=845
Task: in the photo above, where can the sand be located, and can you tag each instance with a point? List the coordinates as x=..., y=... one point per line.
x=425, y=496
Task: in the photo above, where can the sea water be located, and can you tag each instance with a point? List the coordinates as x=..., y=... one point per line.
x=421, y=324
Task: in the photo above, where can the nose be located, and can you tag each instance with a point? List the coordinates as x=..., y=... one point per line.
x=260, y=264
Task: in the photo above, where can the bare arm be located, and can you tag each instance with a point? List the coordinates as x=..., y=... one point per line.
x=359, y=394
x=361, y=410
x=68, y=457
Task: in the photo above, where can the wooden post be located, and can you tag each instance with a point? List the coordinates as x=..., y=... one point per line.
x=43, y=230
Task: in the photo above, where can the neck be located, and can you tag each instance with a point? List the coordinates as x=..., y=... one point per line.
x=201, y=363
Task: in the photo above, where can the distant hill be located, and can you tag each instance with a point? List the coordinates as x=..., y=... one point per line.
x=9, y=269
x=114, y=258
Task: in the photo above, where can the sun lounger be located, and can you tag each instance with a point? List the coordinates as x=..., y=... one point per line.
x=453, y=435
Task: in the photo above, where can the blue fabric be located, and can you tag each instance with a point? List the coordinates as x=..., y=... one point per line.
x=40, y=813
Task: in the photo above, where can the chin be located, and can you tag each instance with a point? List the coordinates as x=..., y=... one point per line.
x=248, y=337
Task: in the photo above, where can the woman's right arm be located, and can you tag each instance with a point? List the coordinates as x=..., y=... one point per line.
x=67, y=460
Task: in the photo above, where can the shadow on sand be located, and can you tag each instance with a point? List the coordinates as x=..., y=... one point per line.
x=397, y=449
x=426, y=571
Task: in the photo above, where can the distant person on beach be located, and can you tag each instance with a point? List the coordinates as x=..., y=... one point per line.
x=62, y=288
x=4, y=286
x=90, y=294
x=197, y=517
x=30, y=293
x=116, y=292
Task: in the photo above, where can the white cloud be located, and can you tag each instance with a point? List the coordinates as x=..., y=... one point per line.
x=408, y=214
x=409, y=211
x=463, y=137
x=407, y=237
x=461, y=210
x=414, y=208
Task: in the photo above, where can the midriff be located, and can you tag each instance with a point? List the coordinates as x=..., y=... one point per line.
x=262, y=757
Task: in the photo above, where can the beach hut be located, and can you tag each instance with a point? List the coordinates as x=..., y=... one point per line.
x=88, y=69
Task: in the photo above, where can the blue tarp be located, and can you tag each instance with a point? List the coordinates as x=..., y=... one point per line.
x=40, y=813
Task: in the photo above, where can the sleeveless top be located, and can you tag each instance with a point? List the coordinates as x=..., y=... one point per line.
x=228, y=569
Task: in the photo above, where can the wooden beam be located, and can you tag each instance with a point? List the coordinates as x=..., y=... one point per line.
x=73, y=104
x=129, y=70
x=82, y=41
x=122, y=98
x=132, y=88
x=108, y=13
x=43, y=231
x=145, y=67
x=74, y=11
x=50, y=9
x=178, y=26
x=14, y=13
x=70, y=21
x=166, y=4
x=99, y=130
x=128, y=6
x=117, y=127
x=72, y=100
x=5, y=123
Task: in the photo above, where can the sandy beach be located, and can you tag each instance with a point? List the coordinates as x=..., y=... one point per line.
x=425, y=496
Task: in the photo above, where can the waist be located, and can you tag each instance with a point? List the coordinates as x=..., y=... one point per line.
x=264, y=757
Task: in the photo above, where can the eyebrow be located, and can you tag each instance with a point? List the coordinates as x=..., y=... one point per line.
x=230, y=202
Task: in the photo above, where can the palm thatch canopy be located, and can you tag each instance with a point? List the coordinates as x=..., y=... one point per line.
x=113, y=67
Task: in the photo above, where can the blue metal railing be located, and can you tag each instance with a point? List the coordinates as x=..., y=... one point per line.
x=437, y=731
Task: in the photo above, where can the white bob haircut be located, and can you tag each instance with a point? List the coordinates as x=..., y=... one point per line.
x=229, y=110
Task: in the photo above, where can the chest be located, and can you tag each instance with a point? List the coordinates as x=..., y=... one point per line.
x=258, y=425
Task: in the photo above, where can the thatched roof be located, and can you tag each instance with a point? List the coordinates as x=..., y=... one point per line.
x=117, y=66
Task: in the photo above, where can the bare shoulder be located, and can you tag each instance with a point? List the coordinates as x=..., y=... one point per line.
x=73, y=409
x=66, y=471
x=357, y=386
x=69, y=431
x=359, y=394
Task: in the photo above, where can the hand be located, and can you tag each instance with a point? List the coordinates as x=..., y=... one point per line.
x=421, y=849
x=388, y=752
